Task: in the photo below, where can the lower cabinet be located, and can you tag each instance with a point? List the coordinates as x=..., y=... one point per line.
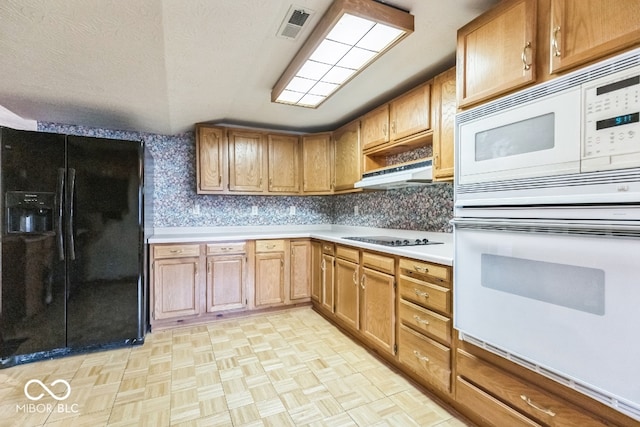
x=316, y=271
x=347, y=298
x=328, y=275
x=270, y=270
x=226, y=276
x=300, y=276
x=377, y=296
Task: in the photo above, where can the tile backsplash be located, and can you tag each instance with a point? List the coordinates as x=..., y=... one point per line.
x=176, y=203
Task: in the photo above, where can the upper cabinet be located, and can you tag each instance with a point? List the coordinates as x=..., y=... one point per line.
x=317, y=163
x=496, y=51
x=211, y=160
x=585, y=30
x=347, y=155
x=375, y=127
x=283, y=163
x=444, y=116
x=410, y=114
x=520, y=42
x=246, y=161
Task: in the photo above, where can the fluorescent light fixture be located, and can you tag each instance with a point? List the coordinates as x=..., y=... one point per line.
x=350, y=36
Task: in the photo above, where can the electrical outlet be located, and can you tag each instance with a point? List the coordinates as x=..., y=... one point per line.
x=292, y=210
x=196, y=208
x=356, y=210
x=254, y=210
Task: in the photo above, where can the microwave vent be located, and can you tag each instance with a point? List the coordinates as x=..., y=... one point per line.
x=293, y=22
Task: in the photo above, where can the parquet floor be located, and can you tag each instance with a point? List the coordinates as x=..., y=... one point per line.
x=288, y=368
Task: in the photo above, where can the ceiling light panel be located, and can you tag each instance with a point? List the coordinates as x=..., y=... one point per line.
x=351, y=35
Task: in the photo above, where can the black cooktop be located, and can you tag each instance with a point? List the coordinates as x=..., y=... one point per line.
x=393, y=241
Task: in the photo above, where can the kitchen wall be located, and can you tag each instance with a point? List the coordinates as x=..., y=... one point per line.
x=176, y=203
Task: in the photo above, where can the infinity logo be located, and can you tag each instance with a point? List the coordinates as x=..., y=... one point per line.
x=52, y=394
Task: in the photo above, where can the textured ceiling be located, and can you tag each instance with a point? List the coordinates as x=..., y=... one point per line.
x=162, y=65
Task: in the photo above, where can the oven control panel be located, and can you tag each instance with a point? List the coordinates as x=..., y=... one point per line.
x=611, y=118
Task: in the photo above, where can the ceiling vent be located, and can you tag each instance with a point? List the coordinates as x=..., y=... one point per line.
x=293, y=22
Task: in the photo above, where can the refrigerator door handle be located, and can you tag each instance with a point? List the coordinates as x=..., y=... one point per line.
x=60, y=213
x=70, y=219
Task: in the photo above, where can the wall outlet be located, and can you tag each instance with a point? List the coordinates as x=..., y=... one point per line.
x=254, y=210
x=356, y=210
x=196, y=208
x=292, y=210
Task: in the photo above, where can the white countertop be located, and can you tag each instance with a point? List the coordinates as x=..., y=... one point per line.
x=442, y=254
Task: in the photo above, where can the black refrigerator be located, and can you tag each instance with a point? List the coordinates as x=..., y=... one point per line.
x=73, y=252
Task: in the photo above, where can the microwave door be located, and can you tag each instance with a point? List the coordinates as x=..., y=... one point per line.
x=555, y=297
x=540, y=138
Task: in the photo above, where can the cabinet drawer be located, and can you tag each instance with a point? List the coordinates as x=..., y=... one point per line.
x=425, y=321
x=175, y=251
x=526, y=398
x=427, y=357
x=490, y=410
x=328, y=248
x=378, y=262
x=270, y=246
x=415, y=268
x=350, y=254
x=226, y=248
x=425, y=294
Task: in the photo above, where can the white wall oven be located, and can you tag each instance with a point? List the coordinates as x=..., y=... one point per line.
x=547, y=230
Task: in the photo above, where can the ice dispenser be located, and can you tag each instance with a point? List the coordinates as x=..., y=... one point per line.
x=29, y=212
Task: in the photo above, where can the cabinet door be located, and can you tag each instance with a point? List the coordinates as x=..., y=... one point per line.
x=328, y=268
x=374, y=127
x=225, y=282
x=378, y=309
x=245, y=161
x=300, y=270
x=283, y=164
x=211, y=162
x=316, y=271
x=496, y=51
x=583, y=30
x=411, y=113
x=347, y=156
x=317, y=163
x=269, y=278
x=444, y=115
x=347, y=290
x=176, y=288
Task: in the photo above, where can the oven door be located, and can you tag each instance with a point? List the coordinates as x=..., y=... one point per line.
x=560, y=298
x=540, y=138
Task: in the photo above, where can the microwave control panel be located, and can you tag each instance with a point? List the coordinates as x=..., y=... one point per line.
x=611, y=116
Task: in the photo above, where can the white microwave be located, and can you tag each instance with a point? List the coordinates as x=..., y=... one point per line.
x=572, y=140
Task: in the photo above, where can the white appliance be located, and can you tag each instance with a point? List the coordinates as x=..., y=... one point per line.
x=547, y=230
x=398, y=176
x=575, y=139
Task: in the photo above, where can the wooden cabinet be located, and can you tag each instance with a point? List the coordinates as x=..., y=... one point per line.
x=269, y=270
x=246, y=161
x=424, y=306
x=410, y=113
x=176, y=281
x=316, y=271
x=377, y=295
x=444, y=115
x=347, y=295
x=375, y=127
x=496, y=51
x=211, y=160
x=283, y=163
x=520, y=42
x=581, y=31
x=300, y=279
x=226, y=276
x=328, y=274
x=317, y=163
x=347, y=156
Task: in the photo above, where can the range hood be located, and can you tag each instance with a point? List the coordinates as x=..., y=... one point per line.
x=398, y=176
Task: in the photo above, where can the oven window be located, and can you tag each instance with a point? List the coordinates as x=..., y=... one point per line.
x=526, y=136
x=571, y=286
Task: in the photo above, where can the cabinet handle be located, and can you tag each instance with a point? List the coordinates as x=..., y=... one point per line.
x=219, y=179
x=270, y=182
x=355, y=277
x=420, y=293
x=281, y=263
x=539, y=408
x=176, y=251
x=420, y=269
x=417, y=354
x=384, y=129
x=554, y=41
x=393, y=127
x=363, y=280
x=437, y=162
x=526, y=66
x=270, y=246
x=420, y=319
x=323, y=265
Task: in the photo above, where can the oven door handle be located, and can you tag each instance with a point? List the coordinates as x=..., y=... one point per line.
x=604, y=229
